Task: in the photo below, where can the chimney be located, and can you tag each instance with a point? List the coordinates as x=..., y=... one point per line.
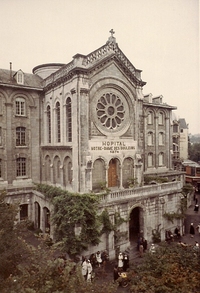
x=10, y=70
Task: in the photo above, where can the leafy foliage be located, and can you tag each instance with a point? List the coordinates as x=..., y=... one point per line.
x=12, y=250
x=158, y=179
x=171, y=269
x=26, y=269
x=194, y=152
x=75, y=218
x=181, y=212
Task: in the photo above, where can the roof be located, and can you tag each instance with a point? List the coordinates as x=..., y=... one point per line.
x=109, y=51
x=182, y=123
x=30, y=80
x=190, y=163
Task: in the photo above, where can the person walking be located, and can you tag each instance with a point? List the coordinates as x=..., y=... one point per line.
x=99, y=259
x=198, y=228
x=89, y=271
x=120, y=262
x=115, y=273
x=84, y=269
x=141, y=248
x=192, y=231
x=125, y=262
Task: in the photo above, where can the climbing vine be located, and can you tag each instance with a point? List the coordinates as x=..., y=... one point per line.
x=72, y=210
x=76, y=218
x=181, y=212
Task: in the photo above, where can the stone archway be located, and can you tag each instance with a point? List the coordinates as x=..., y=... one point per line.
x=113, y=173
x=135, y=224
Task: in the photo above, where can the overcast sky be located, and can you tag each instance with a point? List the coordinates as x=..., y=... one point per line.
x=160, y=37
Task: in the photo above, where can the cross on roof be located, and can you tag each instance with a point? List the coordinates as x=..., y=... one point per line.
x=112, y=32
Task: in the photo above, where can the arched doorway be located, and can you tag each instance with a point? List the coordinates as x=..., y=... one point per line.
x=135, y=224
x=37, y=215
x=113, y=173
x=46, y=220
x=23, y=212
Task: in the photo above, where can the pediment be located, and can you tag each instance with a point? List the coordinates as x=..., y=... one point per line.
x=108, y=53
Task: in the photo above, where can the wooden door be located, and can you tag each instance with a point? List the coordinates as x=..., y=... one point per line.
x=112, y=173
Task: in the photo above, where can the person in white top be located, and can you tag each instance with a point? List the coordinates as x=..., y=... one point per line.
x=89, y=271
x=98, y=258
x=84, y=269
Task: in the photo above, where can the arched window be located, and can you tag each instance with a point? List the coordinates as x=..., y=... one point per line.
x=150, y=138
x=48, y=124
x=161, y=138
x=98, y=174
x=160, y=118
x=161, y=159
x=21, y=167
x=67, y=171
x=20, y=136
x=68, y=120
x=0, y=168
x=47, y=169
x=150, y=117
x=150, y=160
x=1, y=136
x=58, y=122
x=56, y=170
x=20, y=106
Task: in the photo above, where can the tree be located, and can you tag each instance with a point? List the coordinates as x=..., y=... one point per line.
x=194, y=152
x=12, y=249
x=28, y=269
x=172, y=268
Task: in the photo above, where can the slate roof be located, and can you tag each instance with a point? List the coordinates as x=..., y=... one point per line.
x=183, y=124
x=30, y=80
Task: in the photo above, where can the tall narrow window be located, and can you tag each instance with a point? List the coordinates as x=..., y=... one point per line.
x=48, y=124
x=20, y=136
x=160, y=118
x=58, y=121
x=150, y=117
x=0, y=168
x=68, y=120
x=161, y=138
x=20, y=106
x=1, y=136
x=150, y=160
x=150, y=138
x=21, y=167
x=161, y=159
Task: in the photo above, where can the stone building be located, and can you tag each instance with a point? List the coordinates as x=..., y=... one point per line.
x=83, y=126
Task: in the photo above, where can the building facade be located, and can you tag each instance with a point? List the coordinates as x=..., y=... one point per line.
x=84, y=126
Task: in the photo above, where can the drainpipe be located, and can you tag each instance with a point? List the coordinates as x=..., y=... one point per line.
x=79, y=132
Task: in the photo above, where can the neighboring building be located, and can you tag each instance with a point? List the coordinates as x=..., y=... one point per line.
x=183, y=139
x=85, y=125
x=192, y=173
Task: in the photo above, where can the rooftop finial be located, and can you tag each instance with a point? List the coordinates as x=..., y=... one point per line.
x=112, y=32
x=111, y=39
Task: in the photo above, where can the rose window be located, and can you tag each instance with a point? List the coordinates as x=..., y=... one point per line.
x=110, y=111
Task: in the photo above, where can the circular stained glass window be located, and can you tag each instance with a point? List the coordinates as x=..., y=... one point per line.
x=110, y=111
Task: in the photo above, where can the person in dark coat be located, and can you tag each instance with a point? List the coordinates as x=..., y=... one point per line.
x=115, y=273
x=192, y=231
x=126, y=262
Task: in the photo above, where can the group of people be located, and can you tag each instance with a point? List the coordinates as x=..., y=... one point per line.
x=86, y=269
x=121, y=266
x=141, y=246
x=192, y=229
x=96, y=260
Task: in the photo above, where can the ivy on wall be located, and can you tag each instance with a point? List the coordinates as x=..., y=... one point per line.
x=76, y=218
x=72, y=210
x=181, y=211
